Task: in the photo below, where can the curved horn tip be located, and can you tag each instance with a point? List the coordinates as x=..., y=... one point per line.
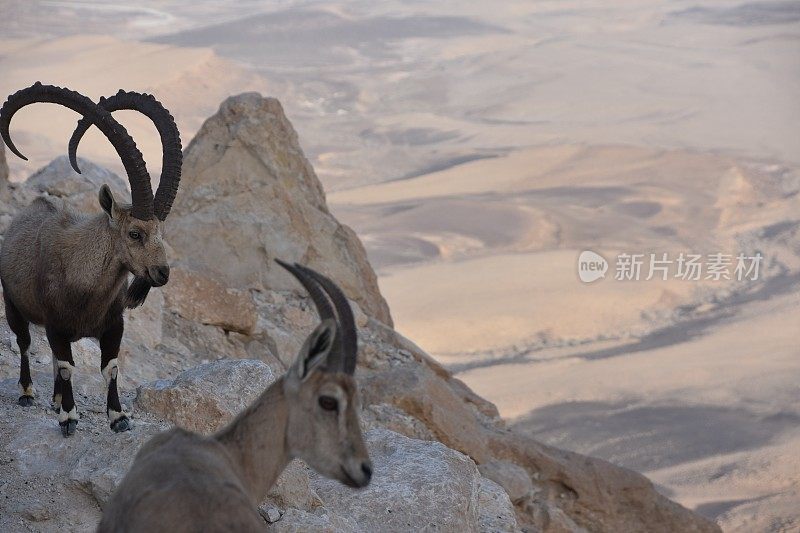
x=73, y=161
x=15, y=151
x=10, y=144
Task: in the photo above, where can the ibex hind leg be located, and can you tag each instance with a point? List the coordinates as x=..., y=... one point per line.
x=109, y=349
x=62, y=354
x=21, y=330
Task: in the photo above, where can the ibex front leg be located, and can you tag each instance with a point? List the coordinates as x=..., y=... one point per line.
x=109, y=348
x=63, y=399
x=20, y=327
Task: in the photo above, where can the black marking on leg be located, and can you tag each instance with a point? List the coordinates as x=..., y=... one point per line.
x=119, y=420
x=112, y=399
x=25, y=381
x=21, y=329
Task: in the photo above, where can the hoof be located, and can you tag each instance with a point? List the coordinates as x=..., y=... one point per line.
x=121, y=424
x=25, y=401
x=68, y=427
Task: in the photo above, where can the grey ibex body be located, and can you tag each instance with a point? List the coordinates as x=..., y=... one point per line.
x=182, y=481
x=69, y=271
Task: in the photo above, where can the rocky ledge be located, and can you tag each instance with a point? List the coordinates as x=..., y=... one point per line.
x=230, y=322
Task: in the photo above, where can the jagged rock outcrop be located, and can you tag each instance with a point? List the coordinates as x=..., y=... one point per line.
x=249, y=195
x=205, y=346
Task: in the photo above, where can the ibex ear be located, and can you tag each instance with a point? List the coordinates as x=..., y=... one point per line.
x=315, y=350
x=107, y=201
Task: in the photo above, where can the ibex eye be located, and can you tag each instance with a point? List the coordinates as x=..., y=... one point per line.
x=328, y=403
x=135, y=235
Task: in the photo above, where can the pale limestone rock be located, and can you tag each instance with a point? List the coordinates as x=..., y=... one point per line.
x=416, y=485
x=144, y=325
x=551, y=519
x=495, y=511
x=199, y=298
x=200, y=342
x=78, y=190
x=514, y=479
x=249, y=195
x=270, y=514
x=292, y=489
x=208, y=396
x=317, y=521
x=425, y=396
x=95, y=463
x=384, y=415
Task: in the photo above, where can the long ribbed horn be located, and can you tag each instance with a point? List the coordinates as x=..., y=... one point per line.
x=336, y=358
x=347, y=324
x=172, y=155
x=321, y=302
x=132, y=160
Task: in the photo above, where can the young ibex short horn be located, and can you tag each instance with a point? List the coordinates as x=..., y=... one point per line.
x=182, y=481
x=68, y=271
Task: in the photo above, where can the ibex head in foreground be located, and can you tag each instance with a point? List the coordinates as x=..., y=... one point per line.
x=182, y=481
x=68, y=271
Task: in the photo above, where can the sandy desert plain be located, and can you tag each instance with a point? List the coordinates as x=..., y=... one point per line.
x=477, y=149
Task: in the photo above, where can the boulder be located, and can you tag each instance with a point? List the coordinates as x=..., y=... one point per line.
x=495, y=511
x=514, y=479
x=424, y=395
x=144, y=325
x=417, y=485
x=200, y=342
x=199, y=298
x=78, y=190
x=292, y=490
x=248, y=195
x=319, y=521
x=206, y=397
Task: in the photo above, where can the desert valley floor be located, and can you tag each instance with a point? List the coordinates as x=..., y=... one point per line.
x=477, y=154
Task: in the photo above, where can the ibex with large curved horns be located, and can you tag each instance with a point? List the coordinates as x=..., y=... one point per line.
x=68, y=271
x=182, y=481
